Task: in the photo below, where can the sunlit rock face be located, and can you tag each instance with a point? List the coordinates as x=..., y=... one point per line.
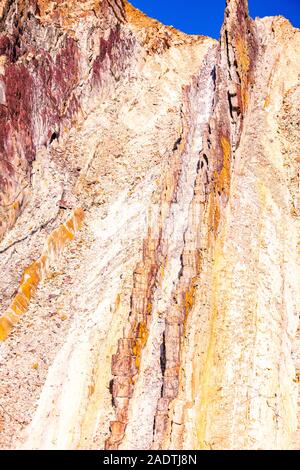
x=149, y=230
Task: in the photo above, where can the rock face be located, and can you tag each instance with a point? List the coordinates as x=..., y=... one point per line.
x=149, y=224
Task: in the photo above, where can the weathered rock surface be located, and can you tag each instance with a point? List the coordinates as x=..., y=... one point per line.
x=149, y=224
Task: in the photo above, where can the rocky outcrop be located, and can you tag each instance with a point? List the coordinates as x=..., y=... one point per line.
x=149, y=222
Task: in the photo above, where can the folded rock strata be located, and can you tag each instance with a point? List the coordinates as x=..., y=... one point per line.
x=149, y=230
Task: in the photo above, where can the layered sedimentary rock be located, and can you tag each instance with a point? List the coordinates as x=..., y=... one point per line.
x=149, y=223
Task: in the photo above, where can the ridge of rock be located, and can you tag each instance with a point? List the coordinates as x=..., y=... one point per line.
x=171, y=319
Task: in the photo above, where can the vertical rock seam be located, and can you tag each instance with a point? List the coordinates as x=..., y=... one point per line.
x=172, y=164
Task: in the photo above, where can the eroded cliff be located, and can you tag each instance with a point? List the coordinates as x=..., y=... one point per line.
x=149, y=222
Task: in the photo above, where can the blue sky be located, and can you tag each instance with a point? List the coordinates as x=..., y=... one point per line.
x=205, y=17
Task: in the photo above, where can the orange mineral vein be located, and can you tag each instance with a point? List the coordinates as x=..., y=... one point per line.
x=37, y=271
